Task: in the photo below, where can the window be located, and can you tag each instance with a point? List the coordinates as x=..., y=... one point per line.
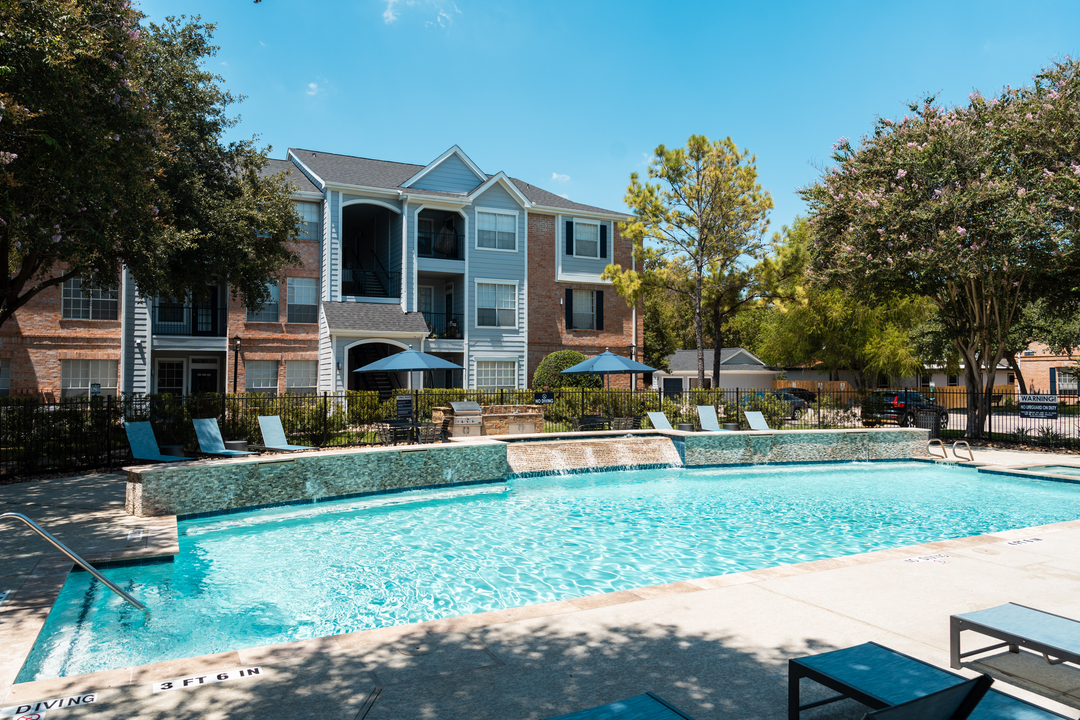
x=584, y=315
x=90, y=304
x=426, y=298
x=303, y=300
x=584, y=309
x=309, y=221
x=953, y=380
x=76, y=377
x=587, y=239
x=260, y=376
x=1066, y=381
x=924, y=380
x=496, y=231
x=301, y=376
x=269, y=311
x=5, y=377
x=496, y=375
x=496, y=305
x=1012, y=378
x=170, y=377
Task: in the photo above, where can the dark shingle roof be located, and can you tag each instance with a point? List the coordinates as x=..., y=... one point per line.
x=350, y=170
x=377, y=317
x=686, y=360
x=298, y=178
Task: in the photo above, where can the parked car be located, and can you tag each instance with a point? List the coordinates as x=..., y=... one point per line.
x=901, y=407
x=802, y=393
x=796, y=405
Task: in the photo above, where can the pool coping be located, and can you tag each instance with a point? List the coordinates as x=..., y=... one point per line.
x=44, y=588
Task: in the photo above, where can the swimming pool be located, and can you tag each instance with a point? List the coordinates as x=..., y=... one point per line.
x=285, y=574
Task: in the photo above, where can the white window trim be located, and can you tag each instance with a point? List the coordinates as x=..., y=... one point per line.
x=497, y=357
x=597, y=223
x=497, y=211
x=476, y=304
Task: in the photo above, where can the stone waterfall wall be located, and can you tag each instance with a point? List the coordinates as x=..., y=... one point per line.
x=803, y=446
x=554, y=456
x=221, y=485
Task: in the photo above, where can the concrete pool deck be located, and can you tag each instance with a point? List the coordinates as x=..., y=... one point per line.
x=715, y=647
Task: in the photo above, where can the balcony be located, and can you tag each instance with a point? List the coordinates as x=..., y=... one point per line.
x=189, y=320
x=448, y=326
x=374, y=283
x=442, y=245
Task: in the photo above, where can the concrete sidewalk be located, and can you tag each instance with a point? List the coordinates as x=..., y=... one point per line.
x=715, y=647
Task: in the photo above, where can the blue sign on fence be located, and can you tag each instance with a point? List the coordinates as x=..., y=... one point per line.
x=1043, y=407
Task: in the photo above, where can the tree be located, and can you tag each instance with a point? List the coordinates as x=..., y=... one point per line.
x=974, y=207
x=705, y=216
x=112, y=156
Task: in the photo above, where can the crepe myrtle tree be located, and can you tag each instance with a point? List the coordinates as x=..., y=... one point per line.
x=974, y=207
x=111, y=155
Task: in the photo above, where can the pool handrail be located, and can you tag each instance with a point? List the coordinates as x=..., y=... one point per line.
x=971, y=455
x=944, y=453
x=78, y=560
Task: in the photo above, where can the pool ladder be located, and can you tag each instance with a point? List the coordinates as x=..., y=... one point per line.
x=945, y=455
x=85, y=565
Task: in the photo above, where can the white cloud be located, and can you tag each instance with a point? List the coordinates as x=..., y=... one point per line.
x=313, y=89
x=564, y=196
x=558, y=177
x=389, y=15
x=262, y=43
x=444, y=11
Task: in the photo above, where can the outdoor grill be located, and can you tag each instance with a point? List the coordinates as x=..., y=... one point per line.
x=466, y=419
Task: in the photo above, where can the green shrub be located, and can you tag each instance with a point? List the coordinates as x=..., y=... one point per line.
x=549, y=372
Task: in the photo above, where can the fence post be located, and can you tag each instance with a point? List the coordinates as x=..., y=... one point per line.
x=325, y=416
x=108, y=430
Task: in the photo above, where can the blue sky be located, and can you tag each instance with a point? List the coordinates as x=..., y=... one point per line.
x=573, y=96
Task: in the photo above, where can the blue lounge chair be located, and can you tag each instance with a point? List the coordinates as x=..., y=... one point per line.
x=1057, y=638
x=879, y=677
x=954, y=703
x=274, y=435
x=756, y=420
x=707, y=416
x=210, y=442
x=641, y=707
x=144, y=445
x=659, y=421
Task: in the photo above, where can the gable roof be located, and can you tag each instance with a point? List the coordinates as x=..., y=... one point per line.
x=730, y=359
x=387, y=175
x=373, y=317
x=455, y=150
x=299, y=179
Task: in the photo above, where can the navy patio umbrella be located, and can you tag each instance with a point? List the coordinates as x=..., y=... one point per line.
x=608, y=363
x=409, y=361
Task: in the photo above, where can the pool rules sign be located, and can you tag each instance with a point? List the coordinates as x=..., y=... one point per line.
x=1043, y=407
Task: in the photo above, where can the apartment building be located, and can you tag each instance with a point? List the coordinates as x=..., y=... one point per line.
x=485, y=270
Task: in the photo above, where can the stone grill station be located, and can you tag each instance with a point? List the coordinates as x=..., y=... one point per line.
x=460, y=419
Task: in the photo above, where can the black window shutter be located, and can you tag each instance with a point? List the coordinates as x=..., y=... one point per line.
x=600, y=302
x=603, y=240
x=1053, y=381
x=569, y=237
x=569, y=309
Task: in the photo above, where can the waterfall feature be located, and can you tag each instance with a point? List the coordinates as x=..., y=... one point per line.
x=560, y=457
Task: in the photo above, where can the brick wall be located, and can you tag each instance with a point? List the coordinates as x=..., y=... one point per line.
x=37, y=338
x=280, y=341
x=1036, y=367
x=547, y=315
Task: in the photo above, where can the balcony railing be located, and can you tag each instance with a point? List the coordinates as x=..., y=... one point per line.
x=195, y=320
x=441, y=245
x=370, y=283
x=445, y=325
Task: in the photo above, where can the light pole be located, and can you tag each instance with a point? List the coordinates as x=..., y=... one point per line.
x=236, y=361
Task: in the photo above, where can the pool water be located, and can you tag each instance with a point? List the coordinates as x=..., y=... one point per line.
x=285, y=574
x=1055, y=469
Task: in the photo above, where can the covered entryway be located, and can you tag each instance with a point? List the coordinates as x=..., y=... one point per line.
x=383, y=383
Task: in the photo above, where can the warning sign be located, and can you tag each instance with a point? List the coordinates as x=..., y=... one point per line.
x=1044, y=407
x=37, y=709
x=198, y=680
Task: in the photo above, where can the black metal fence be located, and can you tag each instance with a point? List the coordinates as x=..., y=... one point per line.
x=88, y=433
